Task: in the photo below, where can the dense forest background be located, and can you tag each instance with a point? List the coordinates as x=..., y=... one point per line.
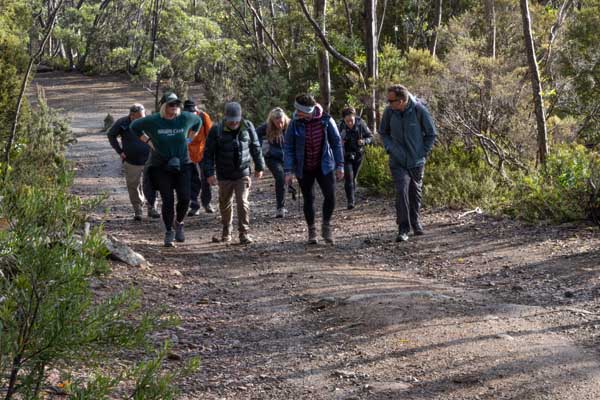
x=513, y=86
x=509, y=82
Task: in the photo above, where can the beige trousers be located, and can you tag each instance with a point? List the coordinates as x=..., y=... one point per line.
x=133, y=179
x=241, y=189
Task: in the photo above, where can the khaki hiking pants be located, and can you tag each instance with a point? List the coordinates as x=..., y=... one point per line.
x=133, y=179
x=241, y=189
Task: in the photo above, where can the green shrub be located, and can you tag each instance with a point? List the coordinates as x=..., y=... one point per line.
x=561, y=191
x=454, y=177
x=375, y=171
x=458, y=177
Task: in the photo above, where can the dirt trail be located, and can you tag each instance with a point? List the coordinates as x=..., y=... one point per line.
x=478, y=308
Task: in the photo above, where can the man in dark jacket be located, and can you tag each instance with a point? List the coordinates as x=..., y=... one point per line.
x=355, y=135
x=134, y=154
x=231, y=146
x=408, y=135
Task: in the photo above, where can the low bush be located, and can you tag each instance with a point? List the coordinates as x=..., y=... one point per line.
x=562, y=191
x=454, y=177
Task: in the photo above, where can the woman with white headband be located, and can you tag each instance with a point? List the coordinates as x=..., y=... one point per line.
x=313, y=152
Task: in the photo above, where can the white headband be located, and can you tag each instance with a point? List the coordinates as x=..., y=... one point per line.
x=304, y=109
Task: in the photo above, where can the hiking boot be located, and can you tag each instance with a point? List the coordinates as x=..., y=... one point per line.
x=246, y=239
x=418, y=231
x=225, y=236
x=152, y=213
x=327, y=233
x=402, y=237
x=169, y=238
x=209, y=209
x=281, y=212
x=350, y=206
x=137, y=215
x=193, y=212
x=312, y=234
x=179, y=235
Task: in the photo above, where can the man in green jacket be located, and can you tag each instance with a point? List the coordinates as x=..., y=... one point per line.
x=231, y=146
x=408, y=136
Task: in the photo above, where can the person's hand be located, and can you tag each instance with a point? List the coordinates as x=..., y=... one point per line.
x=212, y=180
x=289, y=179
x=258, y=174
x=123, y=156
x=339, y=175
x=361, y=142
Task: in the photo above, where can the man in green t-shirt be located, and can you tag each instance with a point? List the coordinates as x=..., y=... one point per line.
x=168, y=133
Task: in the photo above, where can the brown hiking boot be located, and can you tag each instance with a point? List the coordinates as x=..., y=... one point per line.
x=312, y=234
x=326, y=232
x=225, y=236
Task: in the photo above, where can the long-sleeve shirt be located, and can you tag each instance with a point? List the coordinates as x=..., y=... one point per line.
x=136, y=151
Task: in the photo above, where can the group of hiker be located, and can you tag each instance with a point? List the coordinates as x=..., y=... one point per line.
x=179, y=153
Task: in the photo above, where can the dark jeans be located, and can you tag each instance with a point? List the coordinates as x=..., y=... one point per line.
x=199, y=186
x=409, y=185
x=276, y=168
x=167, y=183
x=351, y=168
x=148, y=188
x=327, y=185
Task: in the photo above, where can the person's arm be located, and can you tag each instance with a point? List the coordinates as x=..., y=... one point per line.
x=289, y=150
x=208, y=161
x=255, y=148
x=335, y=141
x=367, y=135
x=384, y=130
x=193, y=131
x=112, y=135
x=138, y=128
x=429, y=132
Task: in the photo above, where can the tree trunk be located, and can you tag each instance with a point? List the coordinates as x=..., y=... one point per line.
x=348, y=17
x=436, y=28
x=372, y=67
x=339, y=56
x=323, y=57
x=34, y=59
x=488, y=85
x=536, y=86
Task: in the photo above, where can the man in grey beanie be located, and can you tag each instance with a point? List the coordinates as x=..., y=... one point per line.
x=231, y=146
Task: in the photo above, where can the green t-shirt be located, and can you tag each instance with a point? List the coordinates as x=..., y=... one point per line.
x=168, y=135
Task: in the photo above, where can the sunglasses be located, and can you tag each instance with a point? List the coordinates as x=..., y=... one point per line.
x=393, y=100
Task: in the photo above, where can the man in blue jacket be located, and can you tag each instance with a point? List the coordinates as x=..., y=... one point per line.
x=408, y=136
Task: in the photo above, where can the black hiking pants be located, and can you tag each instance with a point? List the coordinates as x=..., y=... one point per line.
x=351, y=168
x=169, y=184
x=327, y=185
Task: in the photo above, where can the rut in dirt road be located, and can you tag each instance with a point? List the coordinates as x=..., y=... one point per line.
x=478, y=308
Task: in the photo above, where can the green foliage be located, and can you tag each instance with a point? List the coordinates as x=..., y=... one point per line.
x=49, y=314
x=375, y=172
x=561, y=191
x=458, y=177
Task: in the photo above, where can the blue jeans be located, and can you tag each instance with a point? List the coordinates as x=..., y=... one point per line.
x=276, y=168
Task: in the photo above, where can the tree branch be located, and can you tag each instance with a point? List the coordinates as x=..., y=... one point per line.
x=340, y=57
